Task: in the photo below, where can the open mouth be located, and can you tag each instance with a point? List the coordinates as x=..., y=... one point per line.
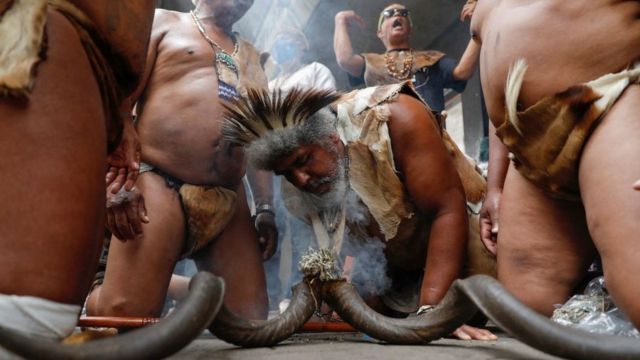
x=397, y=24
x=319, y=187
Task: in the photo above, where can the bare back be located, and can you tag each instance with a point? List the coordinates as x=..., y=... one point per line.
x=179, y=109
x=574, y=42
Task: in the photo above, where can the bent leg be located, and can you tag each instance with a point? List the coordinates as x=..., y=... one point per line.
x=52, y=186
x=543, y=246
x=235, y=255
x=139, y=270
x=608, y=167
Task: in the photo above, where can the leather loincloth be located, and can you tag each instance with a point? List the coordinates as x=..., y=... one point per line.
x=546, y=140
x=23, y=45
x=207, y=210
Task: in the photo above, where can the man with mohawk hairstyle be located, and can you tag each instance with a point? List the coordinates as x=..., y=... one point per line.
x=368, y=150
x=191, y=179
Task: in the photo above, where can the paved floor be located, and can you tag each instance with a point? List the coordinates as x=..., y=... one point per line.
x=357, y=346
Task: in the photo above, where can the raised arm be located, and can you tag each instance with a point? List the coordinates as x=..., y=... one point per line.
x=347, y=60
x=467, y=64
x=434, y=186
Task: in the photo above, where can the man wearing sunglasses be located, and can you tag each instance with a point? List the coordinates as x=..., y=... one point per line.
x=431, y=71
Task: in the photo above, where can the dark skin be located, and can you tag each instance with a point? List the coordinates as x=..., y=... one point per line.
x=54, y=197
x=392, y=37
x=439, y=200
x=179, y=87
x=542, y=241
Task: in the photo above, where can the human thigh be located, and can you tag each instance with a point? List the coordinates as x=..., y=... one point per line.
x=52, y=183
x=608, y=169
x=138, y=270
x=543, y=244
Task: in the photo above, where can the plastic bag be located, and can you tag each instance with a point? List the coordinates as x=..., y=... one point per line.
x=595, y=312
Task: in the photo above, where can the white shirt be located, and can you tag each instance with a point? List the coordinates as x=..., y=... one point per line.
x=310, y=76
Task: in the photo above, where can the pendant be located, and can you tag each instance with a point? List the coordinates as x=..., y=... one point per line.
x=227, y=60
x=227, y=92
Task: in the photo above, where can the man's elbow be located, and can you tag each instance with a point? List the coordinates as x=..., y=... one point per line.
x=462, y=74
x=343, y=62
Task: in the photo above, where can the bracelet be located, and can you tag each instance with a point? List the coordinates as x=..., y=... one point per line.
x=265, y=208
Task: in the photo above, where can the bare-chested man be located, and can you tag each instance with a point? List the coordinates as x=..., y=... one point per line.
x=191, y=180
x=359, y=180
x=567, y=192
x=56, y=126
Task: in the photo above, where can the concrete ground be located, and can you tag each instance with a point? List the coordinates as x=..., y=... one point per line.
x=337, y=346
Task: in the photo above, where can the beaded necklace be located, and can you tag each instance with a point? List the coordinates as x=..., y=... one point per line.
x=392, y=68
x=221, y=56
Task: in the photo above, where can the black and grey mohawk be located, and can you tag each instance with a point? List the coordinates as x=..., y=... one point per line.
x=251, y=118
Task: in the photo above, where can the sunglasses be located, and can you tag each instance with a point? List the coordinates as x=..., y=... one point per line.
x=395, y=12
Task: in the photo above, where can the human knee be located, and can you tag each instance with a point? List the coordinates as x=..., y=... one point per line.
x=624, y=295
x=538, y=283
x=122, y=305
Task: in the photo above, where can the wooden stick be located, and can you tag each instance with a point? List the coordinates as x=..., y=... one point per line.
x=135, y=322
x=116, y=322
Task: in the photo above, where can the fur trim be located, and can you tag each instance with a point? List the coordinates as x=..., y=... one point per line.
x=512, y=91
x=22, y=44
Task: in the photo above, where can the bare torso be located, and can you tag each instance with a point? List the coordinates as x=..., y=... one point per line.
x=575, y=42
x=179, y=110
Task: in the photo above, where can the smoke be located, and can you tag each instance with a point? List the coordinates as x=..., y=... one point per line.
x=369, y=273
x=296, y=237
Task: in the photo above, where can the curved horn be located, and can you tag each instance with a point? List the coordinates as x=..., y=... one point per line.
x=152, y=342
x=452, y=312
x=538, y=331
x=254, y=333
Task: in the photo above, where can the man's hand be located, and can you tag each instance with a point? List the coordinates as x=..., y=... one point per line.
x=265, y=224
x=466, y=332
x=124, y=161
x=350, y=18
x=489, y=221
x=467, y=10
x=125, y=212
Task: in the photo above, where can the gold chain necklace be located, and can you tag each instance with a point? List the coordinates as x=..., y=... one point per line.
x=392, y=69
x=222, y=57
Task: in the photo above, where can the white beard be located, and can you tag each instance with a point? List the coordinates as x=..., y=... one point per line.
x=333, y=200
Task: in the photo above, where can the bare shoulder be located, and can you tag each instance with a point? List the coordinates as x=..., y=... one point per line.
x=167, y=23
x=164, y=19
x=481, y=15
x=411, y=117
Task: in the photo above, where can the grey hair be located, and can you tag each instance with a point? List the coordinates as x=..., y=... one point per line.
x=271, y=125
x=265, y=151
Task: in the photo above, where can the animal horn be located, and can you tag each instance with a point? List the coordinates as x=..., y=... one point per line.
x=452, y=312
x=170, y=335
x=538, y=331
x=255, y=333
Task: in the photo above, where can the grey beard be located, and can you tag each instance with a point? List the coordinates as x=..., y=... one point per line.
x=333, y=200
